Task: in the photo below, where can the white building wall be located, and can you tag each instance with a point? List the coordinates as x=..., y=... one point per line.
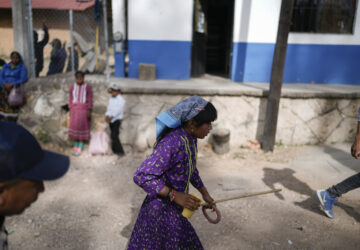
x=118, y=15
x=256, y=21
x=169, y=20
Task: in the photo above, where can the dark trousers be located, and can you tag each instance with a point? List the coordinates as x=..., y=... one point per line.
x=345, y=186
x=115, y=141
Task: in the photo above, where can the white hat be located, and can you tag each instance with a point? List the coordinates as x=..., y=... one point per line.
x=114, y=86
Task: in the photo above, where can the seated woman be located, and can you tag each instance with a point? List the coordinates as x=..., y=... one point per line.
x=12, y=74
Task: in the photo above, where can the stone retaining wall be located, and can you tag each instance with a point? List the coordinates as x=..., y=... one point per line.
x=301, y=121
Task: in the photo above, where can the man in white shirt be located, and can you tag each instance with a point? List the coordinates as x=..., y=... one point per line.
x=114, y=115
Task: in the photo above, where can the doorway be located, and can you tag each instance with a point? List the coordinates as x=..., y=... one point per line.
x=212, y=37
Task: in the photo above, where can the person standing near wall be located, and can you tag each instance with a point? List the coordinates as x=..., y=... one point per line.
x=327, y=197
x=39, y=49
x=76, y=59
x=80, y=105
x=114, y=115
x=57, y=59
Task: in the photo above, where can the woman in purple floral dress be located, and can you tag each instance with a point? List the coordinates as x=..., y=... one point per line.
x=166, y=175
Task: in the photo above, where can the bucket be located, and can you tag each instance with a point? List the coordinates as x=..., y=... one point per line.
x=187, y=213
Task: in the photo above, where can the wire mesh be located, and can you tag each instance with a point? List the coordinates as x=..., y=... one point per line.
x=53, y=45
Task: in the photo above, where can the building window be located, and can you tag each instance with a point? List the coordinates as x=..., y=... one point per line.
x=324, y=16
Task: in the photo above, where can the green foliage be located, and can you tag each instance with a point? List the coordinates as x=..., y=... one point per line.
x=43, y=136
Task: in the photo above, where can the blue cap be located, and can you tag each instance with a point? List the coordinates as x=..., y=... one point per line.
x=22, y=157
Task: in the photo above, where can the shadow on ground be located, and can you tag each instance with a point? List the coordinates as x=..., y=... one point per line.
x=286, y=178
x=343, y=157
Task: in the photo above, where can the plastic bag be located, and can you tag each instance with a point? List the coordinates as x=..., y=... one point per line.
x=99, y=143
x=16, y=97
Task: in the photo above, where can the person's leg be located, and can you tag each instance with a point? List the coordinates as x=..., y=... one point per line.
x=329, y=196
x=121, y=150
x=75, y=148
x=81, y=146
x=115, y=142
x=345, y=186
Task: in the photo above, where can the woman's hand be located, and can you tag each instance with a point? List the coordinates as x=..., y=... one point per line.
x=89, y=114
x=209, y=200
x=187, y=201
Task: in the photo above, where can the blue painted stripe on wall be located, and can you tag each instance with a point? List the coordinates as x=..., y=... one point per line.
x=119, y=64
x=305, y=63
x=172, y=58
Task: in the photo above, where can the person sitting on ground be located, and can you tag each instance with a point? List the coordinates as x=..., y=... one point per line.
x=23, y=168
x=39, y=50
x=114, y=115
x=13, y=74
x=80, y=105
x=57, y=59
x=327, y=197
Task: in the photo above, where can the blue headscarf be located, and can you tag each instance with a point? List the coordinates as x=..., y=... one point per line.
x=179, y=113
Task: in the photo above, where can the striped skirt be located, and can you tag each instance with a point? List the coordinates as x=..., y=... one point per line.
x=79, y=128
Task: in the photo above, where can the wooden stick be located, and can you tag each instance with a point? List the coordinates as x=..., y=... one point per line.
x=244, y=196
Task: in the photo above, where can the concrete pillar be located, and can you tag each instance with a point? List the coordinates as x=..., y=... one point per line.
x=22, y=25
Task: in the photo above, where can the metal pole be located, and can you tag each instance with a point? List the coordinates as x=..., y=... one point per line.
x=107, y=69
x=30, y=38
x=72, y=40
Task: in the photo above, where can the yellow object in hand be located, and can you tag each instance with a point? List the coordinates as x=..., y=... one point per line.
x=187, y=213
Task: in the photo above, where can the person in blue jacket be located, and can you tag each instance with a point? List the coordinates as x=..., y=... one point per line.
x=12, y=74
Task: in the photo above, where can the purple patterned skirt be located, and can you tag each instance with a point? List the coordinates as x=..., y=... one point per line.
x=160, y=225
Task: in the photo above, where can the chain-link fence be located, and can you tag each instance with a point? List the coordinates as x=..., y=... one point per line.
x=66, y=40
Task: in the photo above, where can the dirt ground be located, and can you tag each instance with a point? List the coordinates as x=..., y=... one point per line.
x=96, y=204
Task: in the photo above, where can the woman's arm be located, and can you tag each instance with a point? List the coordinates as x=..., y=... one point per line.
x=148, y=175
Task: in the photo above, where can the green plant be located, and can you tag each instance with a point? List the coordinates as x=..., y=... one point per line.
x=279, y=143
x=43, y=136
